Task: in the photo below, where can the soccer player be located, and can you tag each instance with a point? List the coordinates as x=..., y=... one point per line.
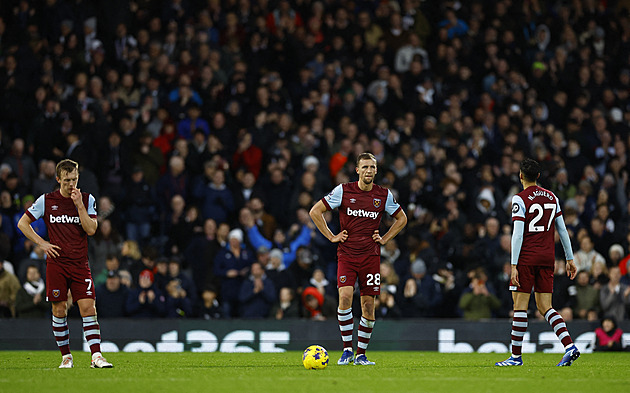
x=70, y=216
x=535, y=213
x=361, y=206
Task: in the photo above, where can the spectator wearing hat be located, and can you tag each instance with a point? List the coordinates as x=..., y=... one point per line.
x=419, y=294
x=317, y=306
x=276, y=271
x=257, y=294
x=146, y=301
x=112, y=296
x=231, y=266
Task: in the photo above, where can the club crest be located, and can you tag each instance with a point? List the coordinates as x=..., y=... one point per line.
x=55, y=293
x=376, y=202
x=342, y=279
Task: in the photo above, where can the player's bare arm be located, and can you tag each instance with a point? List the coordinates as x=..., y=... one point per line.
x=24, y=225
x=317, y=215
x=571, y=269
x=88, y=223
x=399, y=224
x=514, y=276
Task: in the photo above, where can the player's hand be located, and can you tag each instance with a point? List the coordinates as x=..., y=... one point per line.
x=51, y=250
x=571, y=269
x=377, y=238
x=75, y=194
x=514, y=276
x=340, y=237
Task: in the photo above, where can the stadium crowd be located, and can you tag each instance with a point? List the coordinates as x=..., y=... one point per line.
x=207, y=129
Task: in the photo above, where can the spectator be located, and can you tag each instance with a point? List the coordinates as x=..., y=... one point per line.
x=385, y=306
x=586, y=255
x=112, y=263
x=564, y=291
x=30, y=301
x=141, y=206
x=231, y=265
x=608, y=336
x=178, y=304
x=215, y=198
x=420, y=294
x=287, y=306
x=209, y=307
x=106, y=241
x=257, y=294
x=614, y=298
x=146, y=301
x=478, y=302
x=200, y=254
x=316, y=306
x=9, y=287
x=587, y=298
x=112, y=296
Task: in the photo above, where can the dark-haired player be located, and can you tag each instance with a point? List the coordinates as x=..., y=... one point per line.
x=361, y=206
x=70, y=216
x=535, y=213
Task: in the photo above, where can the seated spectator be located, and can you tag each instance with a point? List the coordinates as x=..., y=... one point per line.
x=30, y=301
x=111, y=263
x=608, y=336
x=146, y=301
x=586, y=255
x=178, y=304
x=112, y=296
x=287, y=305
x=209, y=307
x=385, y=306
x=257, y=294
x=478, y=302
x=316, y=306
x=587, y=298
x=9, y=287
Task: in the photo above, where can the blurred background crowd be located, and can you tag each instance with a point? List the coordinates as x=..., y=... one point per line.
x=207, y=129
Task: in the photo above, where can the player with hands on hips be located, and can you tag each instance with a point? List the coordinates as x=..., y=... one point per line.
x=361, y=207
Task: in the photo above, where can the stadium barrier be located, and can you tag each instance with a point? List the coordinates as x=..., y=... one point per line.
x=170, y=335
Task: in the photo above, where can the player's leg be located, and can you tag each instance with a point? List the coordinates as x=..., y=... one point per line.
x=520, y=296
x=82, y=289
x=346, y=323
x=571, y=353
x=370, y=285
x=57, y=294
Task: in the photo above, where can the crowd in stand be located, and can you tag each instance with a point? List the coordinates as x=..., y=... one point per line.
x=207, y=129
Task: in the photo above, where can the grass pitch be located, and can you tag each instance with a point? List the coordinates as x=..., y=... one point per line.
x=35, y=372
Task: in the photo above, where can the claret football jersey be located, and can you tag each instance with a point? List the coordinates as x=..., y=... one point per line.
x=538, y=208
x=360, y=213
x=64, y=225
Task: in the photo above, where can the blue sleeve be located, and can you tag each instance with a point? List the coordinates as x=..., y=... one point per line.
x=564, y=238
x=257, y=239
x=37, y=208
x=91, y=208
x=334, y=198
x=391, y=206
x=517, y=240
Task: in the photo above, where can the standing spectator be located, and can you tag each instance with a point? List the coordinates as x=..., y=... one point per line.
x=178, y=304
x=587, y=298
x=140, y=207
x=257, y=294
x=385, y=305
x=419, y=295
x=174, y=182
x=478, y=303
x=215, y=198
x=22, y=165
x=106, y=241
x=231, y=266
x=45, y=181
x=614, y=298
x=112, y=296
x=30, y=301
x=586, y=255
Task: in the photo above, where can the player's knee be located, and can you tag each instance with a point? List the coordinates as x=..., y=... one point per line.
x=59, y=309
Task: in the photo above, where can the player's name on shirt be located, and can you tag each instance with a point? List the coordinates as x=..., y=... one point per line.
x=541, y=193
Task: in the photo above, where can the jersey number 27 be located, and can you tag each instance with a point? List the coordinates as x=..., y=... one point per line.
x=539, y=209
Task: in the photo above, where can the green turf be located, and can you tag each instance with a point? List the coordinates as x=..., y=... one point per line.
x=283, y=372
